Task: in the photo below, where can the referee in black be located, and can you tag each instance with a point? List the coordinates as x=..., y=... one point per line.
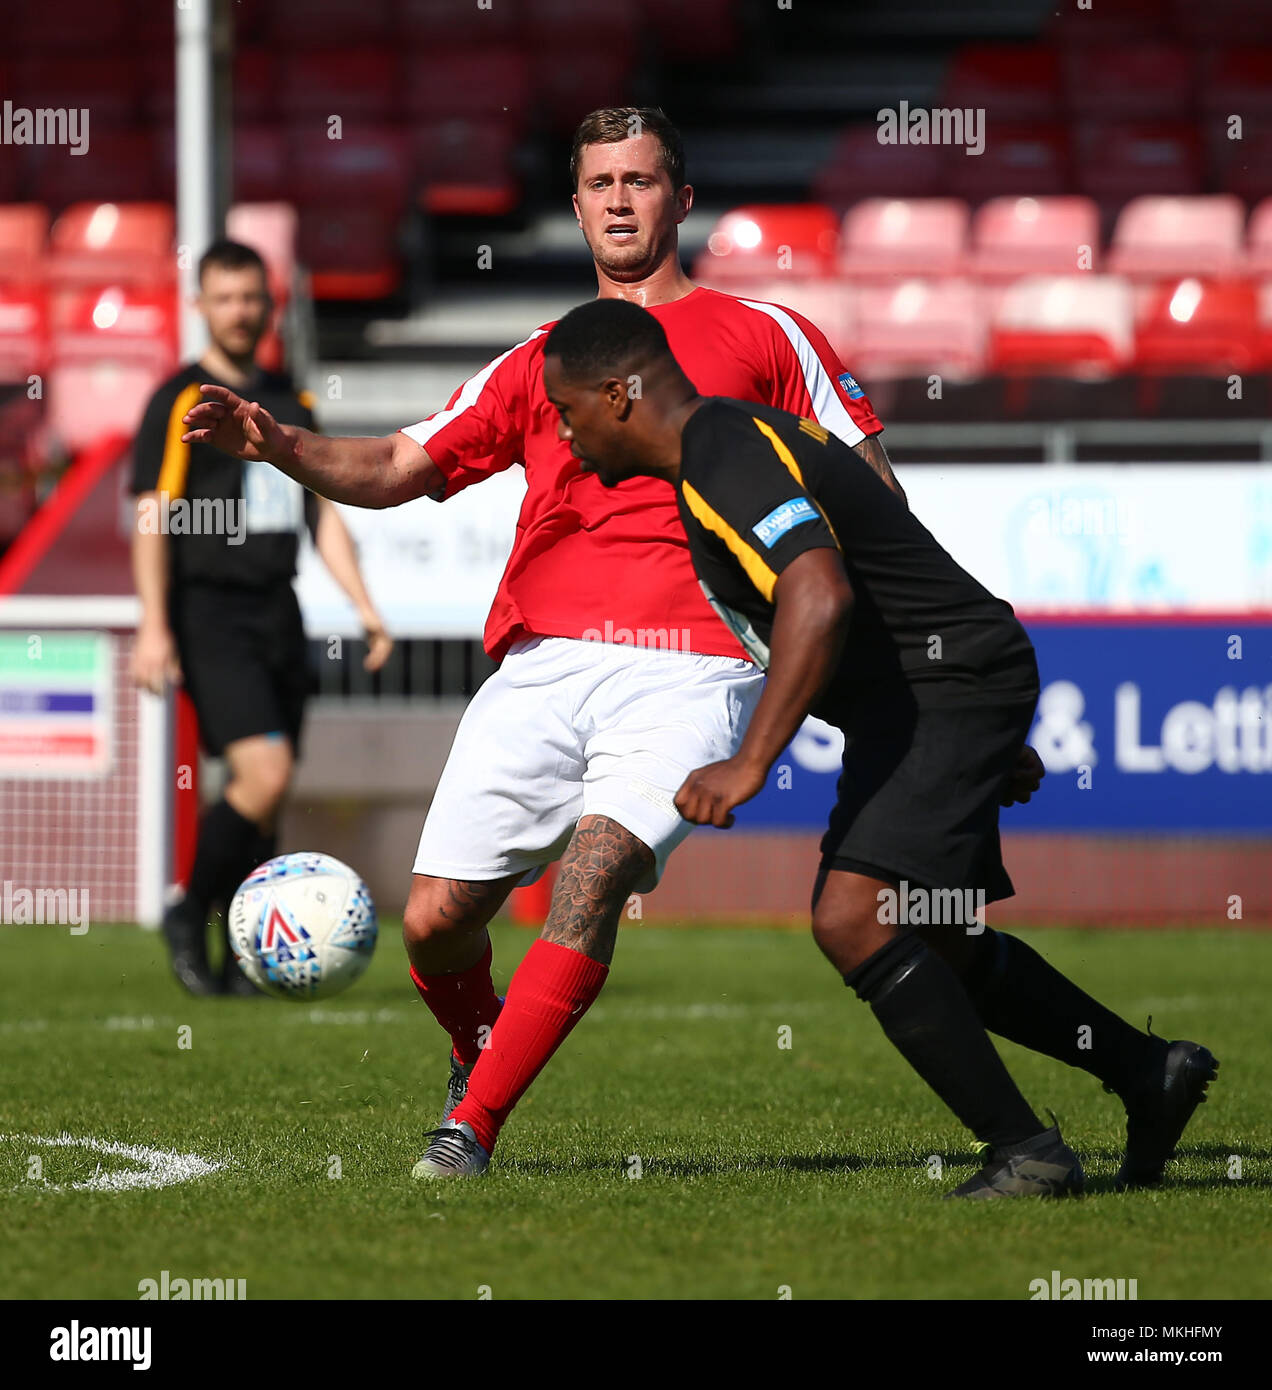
x=862, y=619
x=214, y=556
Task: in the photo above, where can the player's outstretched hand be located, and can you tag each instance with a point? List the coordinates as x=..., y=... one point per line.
x=1026, y=777
x=709, y=794
x=235, y=426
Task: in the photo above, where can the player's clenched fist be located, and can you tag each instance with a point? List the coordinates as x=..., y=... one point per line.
x=709, y=794
x=235, y=426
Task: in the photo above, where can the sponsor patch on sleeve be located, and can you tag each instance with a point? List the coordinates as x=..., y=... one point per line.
x=781, y=519
x=850, y=385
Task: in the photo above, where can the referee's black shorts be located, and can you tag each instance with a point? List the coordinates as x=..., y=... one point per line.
x=243, y=660
x=921, y=784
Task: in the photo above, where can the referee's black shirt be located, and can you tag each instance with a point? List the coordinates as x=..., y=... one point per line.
x=269, y=509
x=760, y=486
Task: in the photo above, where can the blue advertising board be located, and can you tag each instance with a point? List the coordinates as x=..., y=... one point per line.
x=1144, y=725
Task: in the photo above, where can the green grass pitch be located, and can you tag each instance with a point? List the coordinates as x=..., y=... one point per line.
x=764, y=1170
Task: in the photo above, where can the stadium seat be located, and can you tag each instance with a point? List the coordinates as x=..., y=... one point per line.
x=84, y=24
x=920, y=327
x=1111, y=21
x=860, y=167
x=760, y=242
x=829, y=305
x=1009, y=81
x=594, y=77
x=24, y=230
x=261, y=166
x=78, y=80
x=1259, y=241
x=1028, y=160
x=470, y=83
x=114, y=323
x=1132, y=81
x=442, y=22
x=88, y=401
x=883, y=237
x=561, y=25
x=1160, y=237
x=1034, y=236
x=1132, y=159
x=1063, y=324
x=121, y=165
x=355, y=84
x=255, y=85
x=96, y=243
x=300, y=24
x=1237, y=81
x=1194, y=325
x=1228, y=21
x=367, y=165
x=351, y=249
x=466, y=168
x=23, y=330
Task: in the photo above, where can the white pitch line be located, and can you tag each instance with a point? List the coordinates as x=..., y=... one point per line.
x=164, y=1167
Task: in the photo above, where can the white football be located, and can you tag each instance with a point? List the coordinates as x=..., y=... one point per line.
x=302, y=926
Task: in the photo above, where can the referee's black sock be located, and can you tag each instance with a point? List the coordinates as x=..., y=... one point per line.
x=927, y=1015
x=1022, y=998
x=225, y=843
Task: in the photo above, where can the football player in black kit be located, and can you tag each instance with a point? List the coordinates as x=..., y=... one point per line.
x=861, y=618
x=214, y=556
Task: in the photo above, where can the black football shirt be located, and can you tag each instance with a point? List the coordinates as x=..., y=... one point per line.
x=229, y=521
x=760, y=486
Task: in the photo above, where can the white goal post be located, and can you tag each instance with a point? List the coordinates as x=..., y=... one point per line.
x=86, y=762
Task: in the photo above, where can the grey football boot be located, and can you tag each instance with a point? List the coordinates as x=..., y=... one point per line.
x=453, y=1152
x=1044, y=1166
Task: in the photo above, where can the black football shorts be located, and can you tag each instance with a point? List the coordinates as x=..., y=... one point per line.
x=243, y=660
x=921, y=783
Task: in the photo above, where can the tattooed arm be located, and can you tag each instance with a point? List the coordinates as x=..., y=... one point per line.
x=871, y=449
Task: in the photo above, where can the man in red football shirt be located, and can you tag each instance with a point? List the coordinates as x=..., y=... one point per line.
x=617, y=678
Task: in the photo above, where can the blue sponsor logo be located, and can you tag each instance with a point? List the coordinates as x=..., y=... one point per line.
x=782, y=519
x=849, y=383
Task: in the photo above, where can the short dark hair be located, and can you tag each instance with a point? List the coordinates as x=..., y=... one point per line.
x=231, y=255
x=605, y=338
x=610, y=124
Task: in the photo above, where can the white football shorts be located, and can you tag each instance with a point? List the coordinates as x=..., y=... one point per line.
x=568, y=728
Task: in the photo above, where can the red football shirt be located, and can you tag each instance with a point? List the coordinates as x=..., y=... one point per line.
x=612, y=564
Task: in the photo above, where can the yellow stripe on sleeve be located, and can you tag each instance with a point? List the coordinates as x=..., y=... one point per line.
x=176, y=455
x=756, y=570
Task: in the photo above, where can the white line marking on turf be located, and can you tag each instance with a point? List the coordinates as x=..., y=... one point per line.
x=164, y=1167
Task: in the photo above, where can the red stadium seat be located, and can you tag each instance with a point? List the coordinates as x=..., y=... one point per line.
x=1132, y=81
x=114, y=323
x=1111, y=21
x=560, y=25
x=95, y=243
x=1170, y=237
x=594, y=77
x=1259, y=241
x=470, y=83
x=369, y=165
x=882, y=237
x=1237, y=81
x=300, y=24
x=261, y=166
x=861, y=167
x=77, y=81
x=355, y=84
x=84, y=24
x=1226, y=21
x=443, y=22
x=921, y=326
x=1194, y=325
x=1132, y=159
x=24, y=230
x=256, y=82
x=466, y=168
x=1063, y=324
x=23, y=330
x=351, y=249
x=760, y=242
x=1017, y=160
x=123, y=166
x=1035, y=236
x=1010, y=81
x=88, y=401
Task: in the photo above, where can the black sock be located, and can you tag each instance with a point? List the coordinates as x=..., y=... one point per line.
x=928, y=1017
x=1022, y=998
x=225, y=843
x=262, y=847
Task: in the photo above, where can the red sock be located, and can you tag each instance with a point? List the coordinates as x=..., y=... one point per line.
x=552, y=989
x=462, y=1003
